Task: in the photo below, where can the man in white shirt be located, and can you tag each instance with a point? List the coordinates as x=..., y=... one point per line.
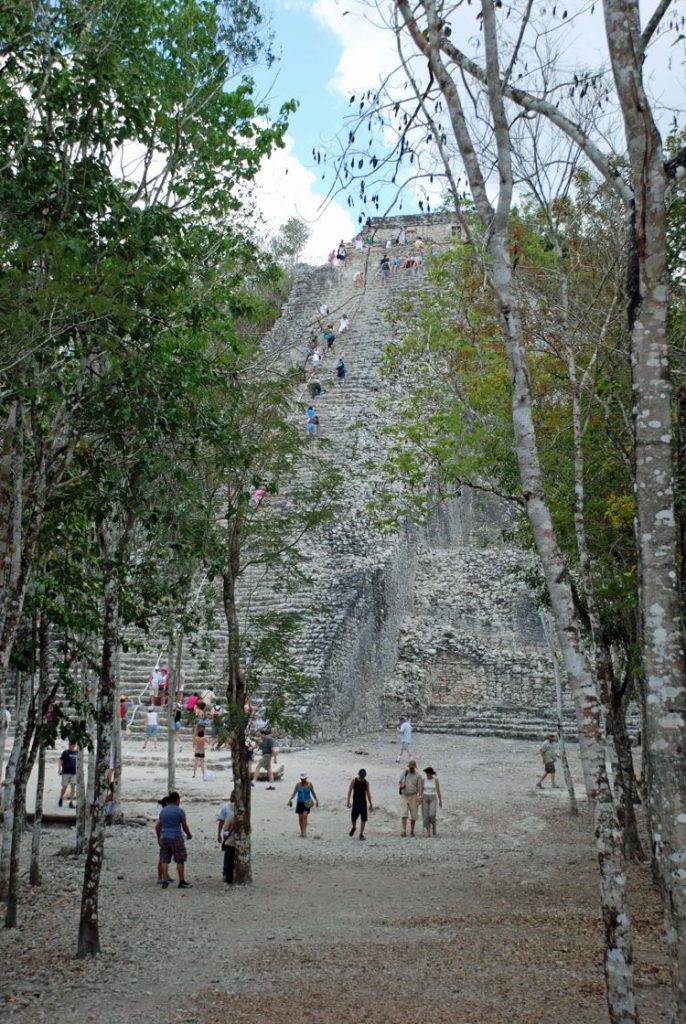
x=151, y=728
x=405, y=738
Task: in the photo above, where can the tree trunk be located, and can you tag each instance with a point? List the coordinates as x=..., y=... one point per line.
x=554, y=654
x=681, y=483
x=116, y=745
x=92, y=691
x=21, y=777
x=82, y=815
x=174, y=678
x=569, y=781
x=3, y=741
x=11, y=776
x=34, y=870
x=495, y=221
x=661, y=614
x=618, y=952
x=89, y=936
x=81, y=800
x=43, y=698
x=236, y=698
x=616, y=699
x=18, y=822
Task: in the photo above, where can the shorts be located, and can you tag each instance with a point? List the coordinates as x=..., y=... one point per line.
x=264, y=762
x=550, y=767
x=151, y=730
x=301, y=808
x=201, y=756
x=409, y=806
x=359, y=812
x=68, y=780
x=177, y=726
x=173, y=849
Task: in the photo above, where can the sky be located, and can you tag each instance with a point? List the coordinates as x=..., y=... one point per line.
x=322, y=62
x=330, y=50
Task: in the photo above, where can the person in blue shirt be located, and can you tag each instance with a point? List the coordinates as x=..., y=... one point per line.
x=171, y=828
x=305, y=798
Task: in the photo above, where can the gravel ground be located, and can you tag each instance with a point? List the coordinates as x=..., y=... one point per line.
x=494, y=921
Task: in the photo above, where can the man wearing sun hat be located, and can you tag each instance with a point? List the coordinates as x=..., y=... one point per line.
x=409, y=787
x=548, y=752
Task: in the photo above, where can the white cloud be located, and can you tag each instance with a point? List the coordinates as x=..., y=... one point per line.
x=286, y=188
x=368, y=47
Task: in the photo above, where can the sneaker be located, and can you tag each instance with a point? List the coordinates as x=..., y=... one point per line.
x=363, y=839
x=352, y=831
x=165, y=885
x=71, y=803
x=539, y=785
x=185, y=885
x=60, y=802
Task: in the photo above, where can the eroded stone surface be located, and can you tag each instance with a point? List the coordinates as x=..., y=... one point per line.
x=436, y=620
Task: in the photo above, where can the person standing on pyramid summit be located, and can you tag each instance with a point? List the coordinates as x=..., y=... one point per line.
x=404, y=738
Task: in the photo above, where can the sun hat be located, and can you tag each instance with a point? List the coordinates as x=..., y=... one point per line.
x=411, y=764
x=303, y=775
x=430, y=771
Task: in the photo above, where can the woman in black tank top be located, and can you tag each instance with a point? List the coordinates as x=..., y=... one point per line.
x=359, y=795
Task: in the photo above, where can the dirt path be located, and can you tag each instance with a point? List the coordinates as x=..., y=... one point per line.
x=494, y=921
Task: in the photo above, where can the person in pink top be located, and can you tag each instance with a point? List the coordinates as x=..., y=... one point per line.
x=192, y=701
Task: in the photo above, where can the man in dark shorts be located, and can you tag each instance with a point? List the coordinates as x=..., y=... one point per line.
x=548, y=752
x=359, y=794
x=67, y=769
x=171, y=827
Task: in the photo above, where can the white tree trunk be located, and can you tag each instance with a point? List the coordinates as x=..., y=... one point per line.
x=10, y=776
x=661, y=614
x=175, y=651
x=116, y=745
x=618, y=952
x=89, y=930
